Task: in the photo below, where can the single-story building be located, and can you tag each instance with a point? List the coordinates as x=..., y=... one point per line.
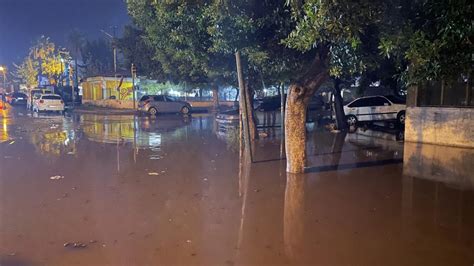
x=114, y=92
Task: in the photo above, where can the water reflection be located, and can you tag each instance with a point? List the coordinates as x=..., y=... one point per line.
x=4, y=131
x=293, y=216
x=450, y=165
x=143, y=132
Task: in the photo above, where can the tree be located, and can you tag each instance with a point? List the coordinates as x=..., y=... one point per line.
x=419, y=40
x=27, y=72
x=177, y=31
x=335, y=30
x=430, y=40
x=98, y=58
x=44, y=59
x=76, y=42
x=136, y=50
x=49, y=59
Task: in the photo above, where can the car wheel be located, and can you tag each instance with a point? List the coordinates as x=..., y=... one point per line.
x=185, y=110
x=152, y=111
x=401, y=118
x=351, y=120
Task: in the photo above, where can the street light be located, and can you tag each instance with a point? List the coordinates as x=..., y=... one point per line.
x=114, y=46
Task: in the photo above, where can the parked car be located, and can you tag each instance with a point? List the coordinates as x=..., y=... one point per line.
x=48, y=102
x=31, y=95
x=375, y=108
x=154, y=104
x=17, y=98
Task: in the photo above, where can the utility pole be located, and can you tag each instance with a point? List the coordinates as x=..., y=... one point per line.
x=114, y=46
x=134, y=72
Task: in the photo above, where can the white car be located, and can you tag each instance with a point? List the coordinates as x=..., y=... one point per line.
x=375, y=108
x=48, y=102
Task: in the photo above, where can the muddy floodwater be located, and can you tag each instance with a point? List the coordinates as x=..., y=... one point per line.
x=124, y=190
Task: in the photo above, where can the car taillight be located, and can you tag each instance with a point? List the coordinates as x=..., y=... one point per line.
x=62, y=101
x=41, y=101
x=147, y=101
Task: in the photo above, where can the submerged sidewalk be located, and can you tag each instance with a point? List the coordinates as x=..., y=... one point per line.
x=89, y=109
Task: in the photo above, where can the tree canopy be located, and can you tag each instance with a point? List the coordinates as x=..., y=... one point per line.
x=44, y=59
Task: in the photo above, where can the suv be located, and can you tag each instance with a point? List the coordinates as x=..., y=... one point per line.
x=154, y=104
x=375, y=108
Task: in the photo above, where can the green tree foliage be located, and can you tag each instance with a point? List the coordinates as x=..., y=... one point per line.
x=256, y=28
x=177, y=32
x=430, y=40
x=418, y=40
x=195, y=41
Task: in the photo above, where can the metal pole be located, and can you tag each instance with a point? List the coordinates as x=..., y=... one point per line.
x=76, y=80
x=133, y=86
x=115, y=60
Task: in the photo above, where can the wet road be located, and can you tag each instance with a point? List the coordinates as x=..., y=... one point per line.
x=171, y=191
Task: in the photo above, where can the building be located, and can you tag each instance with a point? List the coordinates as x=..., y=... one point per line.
x=114, y=92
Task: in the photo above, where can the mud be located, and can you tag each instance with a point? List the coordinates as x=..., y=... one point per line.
x=171, y=191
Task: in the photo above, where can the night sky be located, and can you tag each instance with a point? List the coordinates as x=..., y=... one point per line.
x=24, y=21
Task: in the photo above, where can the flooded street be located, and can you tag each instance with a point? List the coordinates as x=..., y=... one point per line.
x=124, y=190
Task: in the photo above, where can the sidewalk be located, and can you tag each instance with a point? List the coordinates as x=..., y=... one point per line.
x=89, y=109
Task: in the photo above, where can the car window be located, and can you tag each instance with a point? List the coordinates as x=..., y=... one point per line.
x=359, y=103
x=158, y=98
x=385, y=101
x=51, y=97
x=170, y=99
x=144, y=98
x=377, y=101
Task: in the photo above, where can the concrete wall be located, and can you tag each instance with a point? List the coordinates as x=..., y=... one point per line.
x=440, y=125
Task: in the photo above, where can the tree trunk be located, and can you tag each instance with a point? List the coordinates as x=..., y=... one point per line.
x=297, y=101
x=295, y=130
x=250, y=111
x=215, y=98
x=341, y=122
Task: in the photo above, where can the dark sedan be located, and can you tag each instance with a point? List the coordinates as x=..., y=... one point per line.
x=17, y=98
